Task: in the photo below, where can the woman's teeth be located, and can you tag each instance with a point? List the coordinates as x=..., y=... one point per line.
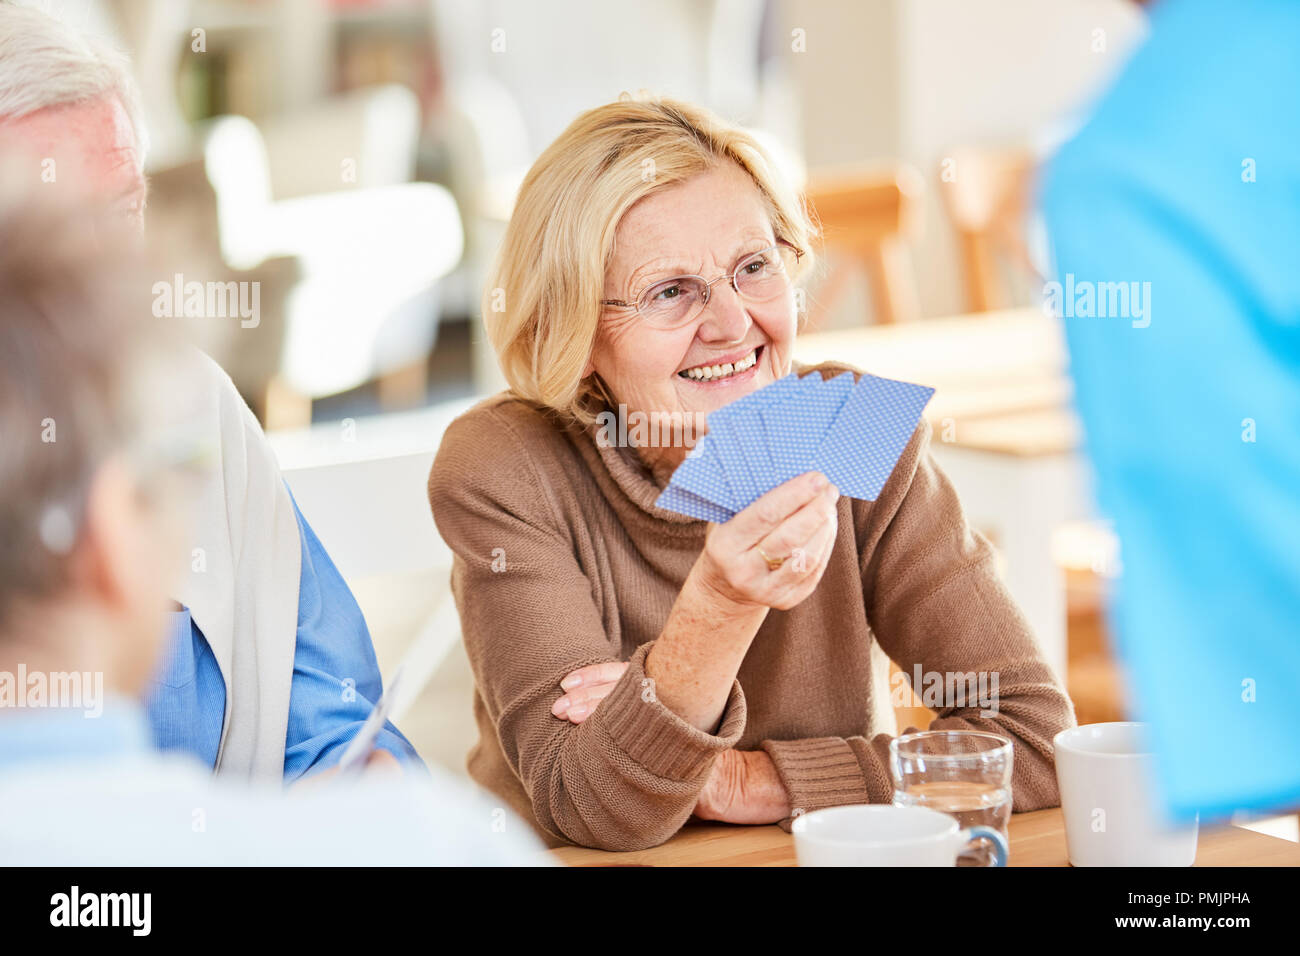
x=708, y=373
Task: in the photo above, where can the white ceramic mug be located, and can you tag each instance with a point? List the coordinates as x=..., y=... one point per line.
x=1105, y=773
x=883, y=835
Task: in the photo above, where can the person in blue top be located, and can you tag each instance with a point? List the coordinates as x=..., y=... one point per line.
x=275, y=672
x=101, y=428
x=1175, y=220
x=186, y=702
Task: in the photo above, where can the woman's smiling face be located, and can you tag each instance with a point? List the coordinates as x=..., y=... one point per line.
x=704, y=226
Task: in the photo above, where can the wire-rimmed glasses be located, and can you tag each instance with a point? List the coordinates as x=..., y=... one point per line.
x=672, y=303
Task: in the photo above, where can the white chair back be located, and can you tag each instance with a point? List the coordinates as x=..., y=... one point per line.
x=361, y=486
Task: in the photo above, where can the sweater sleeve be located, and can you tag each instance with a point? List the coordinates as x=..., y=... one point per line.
x=628, y=776
x=934, y=601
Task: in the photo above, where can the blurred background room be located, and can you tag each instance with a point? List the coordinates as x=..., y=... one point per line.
x=357, y=159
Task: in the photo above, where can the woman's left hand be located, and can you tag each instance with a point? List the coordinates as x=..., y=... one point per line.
x=585, y=688
x=743, y=786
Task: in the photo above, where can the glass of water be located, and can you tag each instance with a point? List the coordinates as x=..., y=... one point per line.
x=964, y=773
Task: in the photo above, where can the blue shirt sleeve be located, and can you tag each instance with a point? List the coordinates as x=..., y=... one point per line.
x=1186, y=185
x=336, y=679
x=335, y=683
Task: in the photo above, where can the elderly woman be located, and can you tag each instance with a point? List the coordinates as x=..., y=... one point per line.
x=635, y=666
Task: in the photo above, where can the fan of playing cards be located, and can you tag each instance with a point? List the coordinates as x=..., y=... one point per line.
x=852, y=432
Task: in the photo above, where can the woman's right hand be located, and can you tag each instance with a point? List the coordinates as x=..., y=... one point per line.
x=796, y=521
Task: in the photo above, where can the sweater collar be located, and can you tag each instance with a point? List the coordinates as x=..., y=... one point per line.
x=628, y=482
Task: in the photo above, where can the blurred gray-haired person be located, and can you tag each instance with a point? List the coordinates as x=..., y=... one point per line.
x=100, y=451
x=269, y=669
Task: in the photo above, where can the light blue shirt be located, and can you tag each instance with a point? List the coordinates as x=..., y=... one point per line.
x=1185, y=186
x=336, y=679
x=34, y=736
x=90, y=791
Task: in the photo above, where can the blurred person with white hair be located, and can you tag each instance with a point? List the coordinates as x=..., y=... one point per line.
x=270, y=670
x=102, y=446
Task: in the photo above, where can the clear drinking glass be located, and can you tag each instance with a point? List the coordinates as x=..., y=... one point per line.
x=966, y=774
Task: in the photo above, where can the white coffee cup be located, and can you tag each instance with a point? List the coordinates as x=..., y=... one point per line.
x=884, y=835
x=1105, y=774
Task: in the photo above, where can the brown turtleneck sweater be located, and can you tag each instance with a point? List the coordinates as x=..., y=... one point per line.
x=562, y=560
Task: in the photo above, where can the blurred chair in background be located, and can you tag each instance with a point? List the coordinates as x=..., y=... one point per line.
x=987, y=194
x=867, y=219
x=484, y=153
x=1087, y=553
x=386, y=542
x=371, y=244
x=183, y=208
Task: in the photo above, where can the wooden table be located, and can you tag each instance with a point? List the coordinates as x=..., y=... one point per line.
x=1037, y=839
x=1007, y=369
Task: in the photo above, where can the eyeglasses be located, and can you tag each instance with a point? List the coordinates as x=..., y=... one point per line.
x=672, y=303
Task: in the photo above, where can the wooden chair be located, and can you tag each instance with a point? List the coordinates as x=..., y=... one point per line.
x=987, y=193
x=867, y=219
x=1086, y=554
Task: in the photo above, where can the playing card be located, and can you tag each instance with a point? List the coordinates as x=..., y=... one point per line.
x=762, y=453
x=740, y=428
x=702, y=476
x=739, y=442
x=852, y=431
x=675, y=498
x=795, y=425
x=859, y=450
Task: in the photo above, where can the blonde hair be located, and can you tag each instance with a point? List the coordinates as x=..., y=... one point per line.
x=542, y=304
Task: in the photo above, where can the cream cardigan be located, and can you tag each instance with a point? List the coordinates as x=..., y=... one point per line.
x=242, y=584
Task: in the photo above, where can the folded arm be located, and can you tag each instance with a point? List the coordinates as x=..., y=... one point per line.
x=630, y=774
